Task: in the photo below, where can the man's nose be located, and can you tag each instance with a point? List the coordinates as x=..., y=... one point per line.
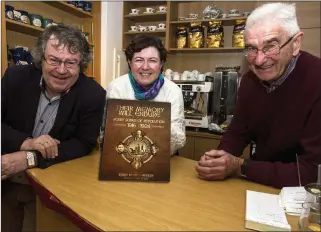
x=260, y=58
x=61, y=68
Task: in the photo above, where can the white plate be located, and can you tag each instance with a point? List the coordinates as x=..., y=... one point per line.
x=160, y=29
x=233, y=15
x=132, y=31
x=148, y=12
x=133, y=13
x=159, y=11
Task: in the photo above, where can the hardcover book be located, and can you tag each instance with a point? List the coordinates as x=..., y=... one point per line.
x=136, y=141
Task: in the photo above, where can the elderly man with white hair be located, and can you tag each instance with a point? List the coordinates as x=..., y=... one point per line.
x=278, y=107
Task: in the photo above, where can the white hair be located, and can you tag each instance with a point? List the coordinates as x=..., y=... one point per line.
x=281, y=14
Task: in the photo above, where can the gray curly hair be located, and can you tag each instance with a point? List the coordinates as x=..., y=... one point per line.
x=67, y=35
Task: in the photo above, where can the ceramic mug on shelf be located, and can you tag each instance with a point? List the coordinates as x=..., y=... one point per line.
x=150, y=10
x=201, y=77
x=162, y=8
x=142, y=28
x=161, y=26
x=192, y=15
x=176, y=76
x=135, y=11
x=234, y=11
x=152, y=28
x=133, y=28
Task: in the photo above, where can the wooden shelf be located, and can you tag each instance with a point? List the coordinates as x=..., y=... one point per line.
x=69, y=9
x=146, y=17
x=24, y=28
x=145, y=32
x=225, y=21
x=191, y=50
x=148, y=3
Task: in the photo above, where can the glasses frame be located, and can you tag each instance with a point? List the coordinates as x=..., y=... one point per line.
x=264, y=49
x=61, y=62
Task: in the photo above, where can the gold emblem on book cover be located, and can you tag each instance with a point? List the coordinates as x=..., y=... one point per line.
x=137, y=149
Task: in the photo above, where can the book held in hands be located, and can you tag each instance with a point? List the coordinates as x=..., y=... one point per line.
x=136, y=141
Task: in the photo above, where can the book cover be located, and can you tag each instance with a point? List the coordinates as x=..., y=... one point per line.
x=136, y=143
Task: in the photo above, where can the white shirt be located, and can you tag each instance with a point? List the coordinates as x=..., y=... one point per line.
x=121, y=88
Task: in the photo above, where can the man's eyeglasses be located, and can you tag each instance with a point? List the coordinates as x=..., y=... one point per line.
x=269, y=50
x=56, y=62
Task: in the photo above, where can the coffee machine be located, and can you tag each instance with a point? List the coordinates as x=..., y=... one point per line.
x=225, y=85
x=197, y=97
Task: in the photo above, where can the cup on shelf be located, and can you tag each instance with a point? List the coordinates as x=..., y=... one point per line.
x=246, y=13
x=35, y=20
x=223, y=15
x=162, y=8
x=234, y=11
x=192, y=15
x=201, y=77
x=176, y=76
x=142, y=28
x=149, y=10
x=181, y=18
x=47, y=22
x=161, y=26
x=9, y=11
x=135, y=11
x=133, y=28
x=152, y=28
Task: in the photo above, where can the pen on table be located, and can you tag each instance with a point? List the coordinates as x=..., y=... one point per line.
x=298, y=167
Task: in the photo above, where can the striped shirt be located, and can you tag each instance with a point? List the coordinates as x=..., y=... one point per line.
x=269, y=87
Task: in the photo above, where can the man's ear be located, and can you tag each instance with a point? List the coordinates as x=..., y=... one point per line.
x=297, y=43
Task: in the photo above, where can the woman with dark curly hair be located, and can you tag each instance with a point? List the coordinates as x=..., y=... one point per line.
x=146, y=57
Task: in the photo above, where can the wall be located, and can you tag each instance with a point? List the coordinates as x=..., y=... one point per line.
x=111, y=42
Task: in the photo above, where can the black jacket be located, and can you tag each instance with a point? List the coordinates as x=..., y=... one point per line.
x=77, y=122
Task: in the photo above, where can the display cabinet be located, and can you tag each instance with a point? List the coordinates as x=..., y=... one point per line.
x=15, y=33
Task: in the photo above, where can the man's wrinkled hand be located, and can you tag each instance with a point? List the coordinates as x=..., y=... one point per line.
x=217, y=165
x=13, y=163
x=45, y=144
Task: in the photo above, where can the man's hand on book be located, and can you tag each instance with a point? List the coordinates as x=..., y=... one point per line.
x=217, y=165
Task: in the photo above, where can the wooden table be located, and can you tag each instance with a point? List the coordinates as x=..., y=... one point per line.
x=186, y=203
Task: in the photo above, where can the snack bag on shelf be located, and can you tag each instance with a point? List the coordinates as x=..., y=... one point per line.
x=215, y=34
x=238, y=34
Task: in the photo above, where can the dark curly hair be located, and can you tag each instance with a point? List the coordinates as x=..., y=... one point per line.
x=67, y=35
x=141, y=42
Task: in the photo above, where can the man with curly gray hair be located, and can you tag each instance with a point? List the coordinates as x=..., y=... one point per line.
x=278, y=107
x=51, y=112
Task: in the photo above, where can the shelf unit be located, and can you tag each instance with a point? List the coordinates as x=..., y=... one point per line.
x=143, y=19
x=225, y=21
x=71, y=9
x=18, y=33
x=205, y=59
x=203, y=50
x=27, y=29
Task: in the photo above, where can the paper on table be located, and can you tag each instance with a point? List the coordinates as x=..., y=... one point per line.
x=291, y=199
x=264, y=208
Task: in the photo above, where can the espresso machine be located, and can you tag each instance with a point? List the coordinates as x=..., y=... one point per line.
x=225, y=85
x=197, y=97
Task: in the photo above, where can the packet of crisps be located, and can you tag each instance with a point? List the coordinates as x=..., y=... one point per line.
x=181, y=37
x=238, y=33
x=215, y=34
x=195, y=35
